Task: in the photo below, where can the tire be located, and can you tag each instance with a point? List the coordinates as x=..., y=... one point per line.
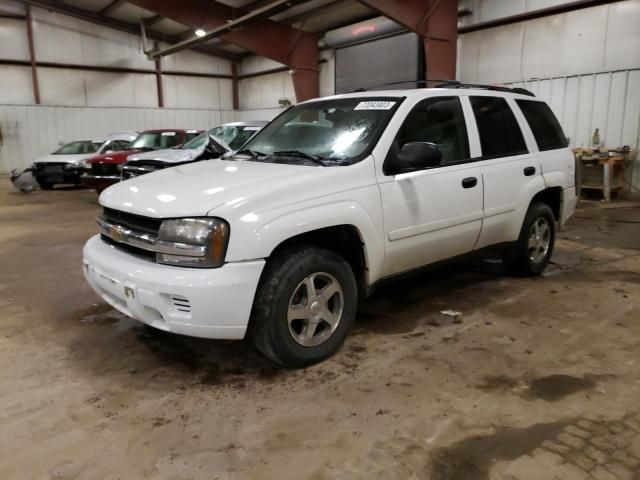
x=275, y=329
x=45, y=185
x=533, y=251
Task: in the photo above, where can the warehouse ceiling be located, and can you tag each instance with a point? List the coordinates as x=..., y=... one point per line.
x=313, y=16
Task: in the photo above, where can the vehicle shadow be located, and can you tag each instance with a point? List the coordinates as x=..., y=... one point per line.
x=151, y=358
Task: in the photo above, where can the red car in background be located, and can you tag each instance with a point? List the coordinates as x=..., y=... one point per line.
x=102, y=171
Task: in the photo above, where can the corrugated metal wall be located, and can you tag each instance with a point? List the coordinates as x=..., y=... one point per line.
x=63, y=39
x=585, y=63
x=609, y=101
x=31, y=131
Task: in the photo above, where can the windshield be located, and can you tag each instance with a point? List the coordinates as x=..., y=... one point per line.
x=155, y=140
x=333, y=132
x=78, y=148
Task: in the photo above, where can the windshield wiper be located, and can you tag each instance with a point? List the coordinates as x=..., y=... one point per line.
x=297, y=153
x=251, y=153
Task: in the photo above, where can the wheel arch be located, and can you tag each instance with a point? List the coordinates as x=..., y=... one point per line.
x=551, y=196
x=344, y=239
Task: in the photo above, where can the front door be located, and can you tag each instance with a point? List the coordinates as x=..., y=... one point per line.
x=433, y=214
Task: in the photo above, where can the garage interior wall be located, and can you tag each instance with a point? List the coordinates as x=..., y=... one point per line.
x=584, y=63
x=79, y=103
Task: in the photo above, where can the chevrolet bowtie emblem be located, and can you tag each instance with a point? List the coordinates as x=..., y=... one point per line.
x=117, y=234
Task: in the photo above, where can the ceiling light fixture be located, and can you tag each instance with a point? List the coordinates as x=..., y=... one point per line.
x=200, y=33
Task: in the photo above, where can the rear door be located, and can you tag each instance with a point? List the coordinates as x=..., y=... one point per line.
x=510, y=171
x=432, y=214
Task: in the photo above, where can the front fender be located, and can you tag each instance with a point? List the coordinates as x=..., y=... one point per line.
x=257, y=235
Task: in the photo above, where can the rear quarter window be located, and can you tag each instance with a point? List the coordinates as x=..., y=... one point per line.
x=544, y=125
x=500, y=134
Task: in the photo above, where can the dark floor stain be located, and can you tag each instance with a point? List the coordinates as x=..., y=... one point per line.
x=472, y=458
x=555, y=387
x=497, y=383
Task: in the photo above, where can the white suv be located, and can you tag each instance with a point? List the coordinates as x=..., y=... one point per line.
x=281, y=240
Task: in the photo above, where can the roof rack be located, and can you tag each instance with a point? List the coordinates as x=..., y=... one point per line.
x=495, y=88
x=453, y=84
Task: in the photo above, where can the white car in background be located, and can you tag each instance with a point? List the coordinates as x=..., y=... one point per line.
x=65, y=165
x=208, y=145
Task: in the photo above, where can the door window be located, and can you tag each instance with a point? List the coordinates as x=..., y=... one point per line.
x=544, y=125
x=438, y=120
x=500, y=134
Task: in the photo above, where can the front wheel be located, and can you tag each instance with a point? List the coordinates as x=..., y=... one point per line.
x=304, y=307
x=532, y=252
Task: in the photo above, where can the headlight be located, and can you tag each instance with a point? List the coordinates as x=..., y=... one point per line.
x=75, y=165
x=86, y=165
x=193, y=242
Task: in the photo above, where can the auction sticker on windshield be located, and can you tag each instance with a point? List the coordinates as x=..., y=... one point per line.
x=375, y=105
x=168, y=134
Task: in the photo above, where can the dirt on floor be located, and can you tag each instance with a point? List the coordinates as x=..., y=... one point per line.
x=537, y=379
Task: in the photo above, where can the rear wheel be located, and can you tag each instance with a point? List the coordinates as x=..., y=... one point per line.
x=304, y=307
x=533, y=250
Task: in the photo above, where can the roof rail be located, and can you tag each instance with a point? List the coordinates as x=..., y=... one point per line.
x=390, y=84
x=453, y=84
x=495, y=88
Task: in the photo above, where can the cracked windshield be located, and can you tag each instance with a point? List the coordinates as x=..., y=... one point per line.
x=326, y=133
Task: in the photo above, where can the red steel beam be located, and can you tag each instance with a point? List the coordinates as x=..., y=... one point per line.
x=32, y=55
x=282, y=43
x=436, y=21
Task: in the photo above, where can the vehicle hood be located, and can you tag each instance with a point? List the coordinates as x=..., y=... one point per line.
x=232, y=187
x=63, y=158
x=170, y=155
x=114, y=158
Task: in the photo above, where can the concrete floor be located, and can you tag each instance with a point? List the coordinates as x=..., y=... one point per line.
x=539, y=378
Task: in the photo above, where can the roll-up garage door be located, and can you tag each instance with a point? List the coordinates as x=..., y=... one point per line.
x=377, y=62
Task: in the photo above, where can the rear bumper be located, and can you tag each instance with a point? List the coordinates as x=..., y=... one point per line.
x=208, y=303
x=569, y=202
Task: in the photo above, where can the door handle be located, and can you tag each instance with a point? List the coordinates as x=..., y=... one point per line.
x=528, y=171
x=469, y=182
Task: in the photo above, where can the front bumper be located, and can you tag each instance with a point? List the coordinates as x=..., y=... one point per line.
x=207, y=303
x=99, y=181
x=57, y=173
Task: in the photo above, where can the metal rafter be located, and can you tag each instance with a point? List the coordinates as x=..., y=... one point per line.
x=230, y=26
x=127, y=27
x=111, y=7
x=282, y=43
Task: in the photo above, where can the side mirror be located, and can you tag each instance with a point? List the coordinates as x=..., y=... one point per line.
x=416, y=156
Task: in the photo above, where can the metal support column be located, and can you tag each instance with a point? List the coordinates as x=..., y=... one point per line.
x=32, y=56
x=436, y=21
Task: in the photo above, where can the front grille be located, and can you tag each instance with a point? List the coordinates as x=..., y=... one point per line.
x=138, y=252
x=141, y=168
x=49, y=167
x=132, y=221
x=102, y=169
